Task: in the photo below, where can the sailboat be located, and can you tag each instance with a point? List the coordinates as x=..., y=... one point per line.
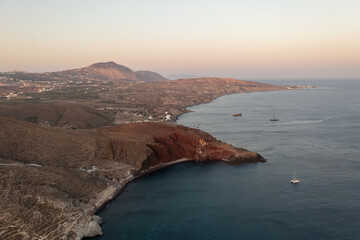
x=273, y=118
x=294, y=180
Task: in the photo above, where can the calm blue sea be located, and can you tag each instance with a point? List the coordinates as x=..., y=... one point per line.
x=318, y=135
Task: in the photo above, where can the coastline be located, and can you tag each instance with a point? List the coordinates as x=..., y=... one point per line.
x=280, y=88
x=124, y=182
x=122, y=187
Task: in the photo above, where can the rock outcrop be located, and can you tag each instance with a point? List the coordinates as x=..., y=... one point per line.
x=53, y=180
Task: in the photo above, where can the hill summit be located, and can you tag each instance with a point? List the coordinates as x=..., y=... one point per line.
x=110, y=64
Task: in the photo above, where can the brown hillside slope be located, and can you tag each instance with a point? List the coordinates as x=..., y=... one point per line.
x=63, y=115
x=148, y=76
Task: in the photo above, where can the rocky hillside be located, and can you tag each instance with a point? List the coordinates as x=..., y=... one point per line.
x=53, y=180
x=148, y=76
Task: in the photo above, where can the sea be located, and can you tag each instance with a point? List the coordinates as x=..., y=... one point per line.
x=317, y=136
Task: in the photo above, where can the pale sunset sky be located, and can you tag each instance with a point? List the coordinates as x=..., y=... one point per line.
x=245, y=39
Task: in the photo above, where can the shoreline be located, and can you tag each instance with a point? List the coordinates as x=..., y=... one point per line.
x=280, y=88
x=124, y=182
x=120, y=188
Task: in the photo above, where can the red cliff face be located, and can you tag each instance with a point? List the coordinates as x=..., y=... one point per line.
x=199, y=147
x=168, y=142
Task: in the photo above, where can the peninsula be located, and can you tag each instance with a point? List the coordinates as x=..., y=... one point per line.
x=71, y=140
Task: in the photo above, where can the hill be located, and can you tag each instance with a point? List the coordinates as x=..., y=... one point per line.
x=108, y=71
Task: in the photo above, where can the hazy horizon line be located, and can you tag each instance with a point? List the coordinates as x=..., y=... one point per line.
x=172, y=76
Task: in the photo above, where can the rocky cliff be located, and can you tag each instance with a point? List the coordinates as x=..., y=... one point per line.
x=53, y=180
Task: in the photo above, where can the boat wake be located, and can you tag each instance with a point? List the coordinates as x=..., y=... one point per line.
x=323, y=147
x=302, y=122
x=318, y=146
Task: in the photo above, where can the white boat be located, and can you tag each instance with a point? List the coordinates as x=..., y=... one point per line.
x=273, y=118
x=294, y=180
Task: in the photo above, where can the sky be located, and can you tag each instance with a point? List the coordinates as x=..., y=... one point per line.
x=245, y=39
